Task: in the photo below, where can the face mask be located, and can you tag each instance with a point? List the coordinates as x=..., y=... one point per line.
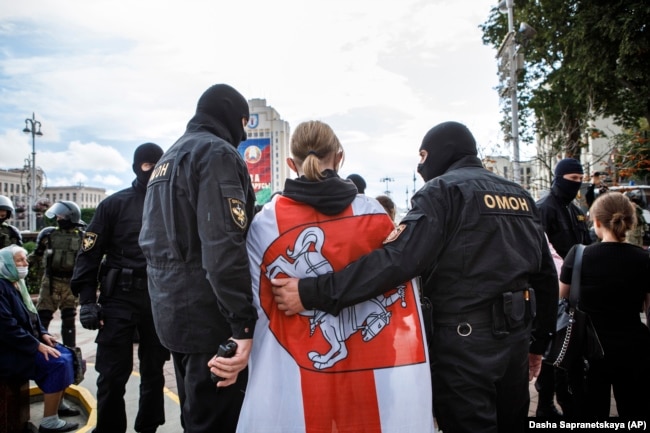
x=22, y=271
x=422, y=171
x=144, y=176
x=568, y=187
x=66, y=224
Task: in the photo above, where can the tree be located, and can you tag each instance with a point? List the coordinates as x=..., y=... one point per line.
x=633, y=157
x=589, y=58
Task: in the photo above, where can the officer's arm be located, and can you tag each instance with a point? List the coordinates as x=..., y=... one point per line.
x=377, y=272
x=222, y=222
x=15, y=235
x=42, y=241
x=545, y=284
x=549, y=222
x=85, y=276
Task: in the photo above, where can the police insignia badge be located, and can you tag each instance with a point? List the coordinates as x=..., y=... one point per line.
x=238, y=212
x=395, y=233
x=89, y=241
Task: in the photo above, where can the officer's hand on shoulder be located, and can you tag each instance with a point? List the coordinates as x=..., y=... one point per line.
x=90, y=316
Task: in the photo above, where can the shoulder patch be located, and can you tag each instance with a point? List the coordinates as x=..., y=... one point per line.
x=392, y=236
x=238, y=212
x=162, y=171
x=89, y=241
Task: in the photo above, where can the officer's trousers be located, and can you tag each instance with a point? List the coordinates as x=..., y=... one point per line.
x=123, y=313
x=480, y=381
x=204, y=407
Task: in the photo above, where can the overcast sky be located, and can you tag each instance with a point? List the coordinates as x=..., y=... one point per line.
x=105, y=76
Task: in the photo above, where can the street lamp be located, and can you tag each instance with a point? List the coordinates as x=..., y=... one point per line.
x=387, y=179
x=512, y=60
x=33, y=126
x=509, y=44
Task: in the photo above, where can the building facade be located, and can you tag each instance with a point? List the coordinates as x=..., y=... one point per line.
x=502, y=166
x=86, y=197
x=266, y=149
x=595, y=156
x=15, y=185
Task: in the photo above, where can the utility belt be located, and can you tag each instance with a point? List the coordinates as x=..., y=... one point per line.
x=513, y=310
x=123, y=280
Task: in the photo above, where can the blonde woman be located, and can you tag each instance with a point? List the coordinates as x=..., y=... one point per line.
x=364, y=370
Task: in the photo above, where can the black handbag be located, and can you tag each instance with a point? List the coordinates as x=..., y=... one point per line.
x=78, y=364
x=575, y=335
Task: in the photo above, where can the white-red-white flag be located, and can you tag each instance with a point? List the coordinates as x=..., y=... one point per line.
x=363, y=371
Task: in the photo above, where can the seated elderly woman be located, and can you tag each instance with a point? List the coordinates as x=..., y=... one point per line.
x=28, y=351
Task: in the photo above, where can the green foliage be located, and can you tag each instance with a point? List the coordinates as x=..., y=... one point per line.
x=87, y=214
x=35, y=274
x=633, y=158
x=589, y=58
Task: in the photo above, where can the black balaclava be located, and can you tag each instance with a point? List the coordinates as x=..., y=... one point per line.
x=65, y=224
x=225, y=106
x=147, y=152
x=358, y=182
x=445, y=144
x=567, y=189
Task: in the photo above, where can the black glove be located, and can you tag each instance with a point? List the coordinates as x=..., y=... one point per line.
x=90, y=315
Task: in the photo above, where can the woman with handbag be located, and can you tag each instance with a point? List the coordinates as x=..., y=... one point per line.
x=28, y=351
x=614, y=284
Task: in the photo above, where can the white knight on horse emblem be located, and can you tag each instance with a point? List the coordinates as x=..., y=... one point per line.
x=371, y=317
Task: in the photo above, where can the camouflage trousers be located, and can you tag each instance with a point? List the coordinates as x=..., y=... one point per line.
x=57, y=295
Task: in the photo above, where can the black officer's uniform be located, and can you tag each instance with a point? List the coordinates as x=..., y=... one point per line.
x=564, y=222
x=565, y=225
x=197, y=210
x=477, y=242
x=110, y=253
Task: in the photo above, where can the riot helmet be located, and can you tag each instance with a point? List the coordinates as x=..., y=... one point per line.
x=6, y=204
x=65, y=211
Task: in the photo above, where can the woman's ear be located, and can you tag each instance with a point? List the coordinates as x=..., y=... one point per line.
x=596, y=222
x=337, y=160
x=292, y=165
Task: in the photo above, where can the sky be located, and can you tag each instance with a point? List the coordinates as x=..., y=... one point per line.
x=103, y=77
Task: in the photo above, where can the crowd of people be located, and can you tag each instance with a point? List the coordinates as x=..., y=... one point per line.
x=356, y=321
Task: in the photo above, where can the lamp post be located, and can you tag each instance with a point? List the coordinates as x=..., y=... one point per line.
x=506, y=6
x=513, y=61
x=33, y=126
x=386, y=180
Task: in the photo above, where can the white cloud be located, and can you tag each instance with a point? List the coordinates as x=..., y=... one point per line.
x=104, y=76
